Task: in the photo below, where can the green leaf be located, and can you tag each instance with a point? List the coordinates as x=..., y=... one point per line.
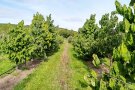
x=125, y=54
x=127, y=25
x=122, y=88
x=122, y=78
x=125, y=9
x=130, y=39
x=133, y=76
x=116, y=67
x=91, y=78
x=116, y=54
x=112, y=83
x=133, y=27
x=102, y=85
x=93, y=73
x=131, y=86
x=118, y=7
x=132, y=2
x=96, y=60
x=106, y=61
x=134, y=16
x=93, y=83
x=89, y=88
x=130, y=14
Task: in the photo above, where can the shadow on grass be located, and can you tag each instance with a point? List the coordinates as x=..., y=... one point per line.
x=52, y=52
x=81, y=60
x=35, y=62
x=29, y=65
x=83, y=84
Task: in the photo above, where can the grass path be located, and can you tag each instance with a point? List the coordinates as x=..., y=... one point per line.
x=62, y=71
x=64, y=68
x=46, y=76
x=78, y=70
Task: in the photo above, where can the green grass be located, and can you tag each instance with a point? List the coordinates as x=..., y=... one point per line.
x=78, y=70
x=5, y=64
x=45, y=76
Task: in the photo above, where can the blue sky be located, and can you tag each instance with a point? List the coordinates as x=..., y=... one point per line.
x=69, y=14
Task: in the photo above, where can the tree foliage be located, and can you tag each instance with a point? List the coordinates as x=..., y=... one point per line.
x=19, y=46
x=122, y=70
x=101, y=40
x=66, y=33
x=34, y=42
x=43, y=35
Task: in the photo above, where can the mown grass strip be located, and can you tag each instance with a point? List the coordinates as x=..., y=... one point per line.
x=45, y=77
x=78, y=70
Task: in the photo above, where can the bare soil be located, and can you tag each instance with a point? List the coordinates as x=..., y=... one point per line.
x=9, y=81
x=99, y=70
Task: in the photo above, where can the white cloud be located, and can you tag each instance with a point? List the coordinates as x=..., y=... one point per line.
x=73, y=19
x=66, y=13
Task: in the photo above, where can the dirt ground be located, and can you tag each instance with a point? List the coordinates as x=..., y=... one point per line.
x=99, y=70
x=9, y=81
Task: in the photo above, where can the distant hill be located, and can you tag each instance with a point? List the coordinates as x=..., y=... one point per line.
x=65, y=32
x=4, y=28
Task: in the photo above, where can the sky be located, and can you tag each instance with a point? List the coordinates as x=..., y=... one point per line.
x=70, y=14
